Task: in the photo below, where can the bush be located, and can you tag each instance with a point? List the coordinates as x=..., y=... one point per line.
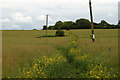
x=34, y=29
x=44, y=27
x=59, y=33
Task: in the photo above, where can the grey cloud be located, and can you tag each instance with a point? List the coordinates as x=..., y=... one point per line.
x=33, y=11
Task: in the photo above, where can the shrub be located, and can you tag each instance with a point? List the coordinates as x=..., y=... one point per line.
x=59, y=33
x=34, y=29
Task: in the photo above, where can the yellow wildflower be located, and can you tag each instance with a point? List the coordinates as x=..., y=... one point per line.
x=115, y=75
x=101, y=71
x=28, y=72
x=97, y=77
x=8, y=77
x=38, y=72
x=90, y=72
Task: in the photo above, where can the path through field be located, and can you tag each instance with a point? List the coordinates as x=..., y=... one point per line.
x=69, y=62
x=20, y=48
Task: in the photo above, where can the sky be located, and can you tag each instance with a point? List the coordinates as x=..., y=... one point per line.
x=31, y=14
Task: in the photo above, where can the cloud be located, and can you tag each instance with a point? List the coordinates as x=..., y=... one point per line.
x=33, y=12
x=10, y=26
x=41, y=18
x=19, y=18
x=5, y=20
x=110, y=15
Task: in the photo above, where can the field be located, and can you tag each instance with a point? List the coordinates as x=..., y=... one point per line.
x=0, y=54
x=21, y=49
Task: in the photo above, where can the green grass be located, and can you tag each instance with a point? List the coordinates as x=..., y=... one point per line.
x=20, y=48
x=0, y=54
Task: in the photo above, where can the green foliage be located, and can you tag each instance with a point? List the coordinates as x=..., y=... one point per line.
x=34, y=29
x=59, y=33
x=83, y=24
x=51, y=27
x=44, y=27
x=69, y=25
x=104, y=23
x=58, y=25
x=119, y=22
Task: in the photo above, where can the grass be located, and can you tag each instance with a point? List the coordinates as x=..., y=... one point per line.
x=20, y=48
x=0, y=54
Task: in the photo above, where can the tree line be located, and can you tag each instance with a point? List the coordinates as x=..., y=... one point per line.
x=82, y=24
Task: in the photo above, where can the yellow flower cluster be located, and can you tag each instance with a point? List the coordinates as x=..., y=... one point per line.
x=78, y=57
x=40, y=65
x=75, y=38
x=98, y=71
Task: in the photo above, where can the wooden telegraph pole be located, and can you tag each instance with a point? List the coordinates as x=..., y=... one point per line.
x=91, y=16
x=46, y=24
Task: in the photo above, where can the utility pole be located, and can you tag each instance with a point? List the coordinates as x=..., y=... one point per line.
x=46, y=24
x=119, y=13
x=91, y=16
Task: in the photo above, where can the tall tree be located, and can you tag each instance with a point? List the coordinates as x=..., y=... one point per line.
x=58, y=25
x=104, y=23
x=83, y=24
x=119, y=22
x=69, y=25
x=44, y=27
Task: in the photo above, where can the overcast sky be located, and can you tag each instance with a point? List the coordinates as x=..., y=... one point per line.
x=30, y=14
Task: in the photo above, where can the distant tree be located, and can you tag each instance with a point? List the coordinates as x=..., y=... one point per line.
x=69, y=25
x=118, y=25
x=34, y=29
x=95, y=23
x=44, y=27
x=58, y=25
x=104, y=23
x=119, y=22
x=51, y=27
x=83, y=24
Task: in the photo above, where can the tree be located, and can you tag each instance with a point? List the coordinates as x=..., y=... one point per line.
x=58, y=25
x=104, y=23
x=44, y=27
x=83, y=24
x=34, y=29
x=119, y=22
x=51, y=27
x=69, y=25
